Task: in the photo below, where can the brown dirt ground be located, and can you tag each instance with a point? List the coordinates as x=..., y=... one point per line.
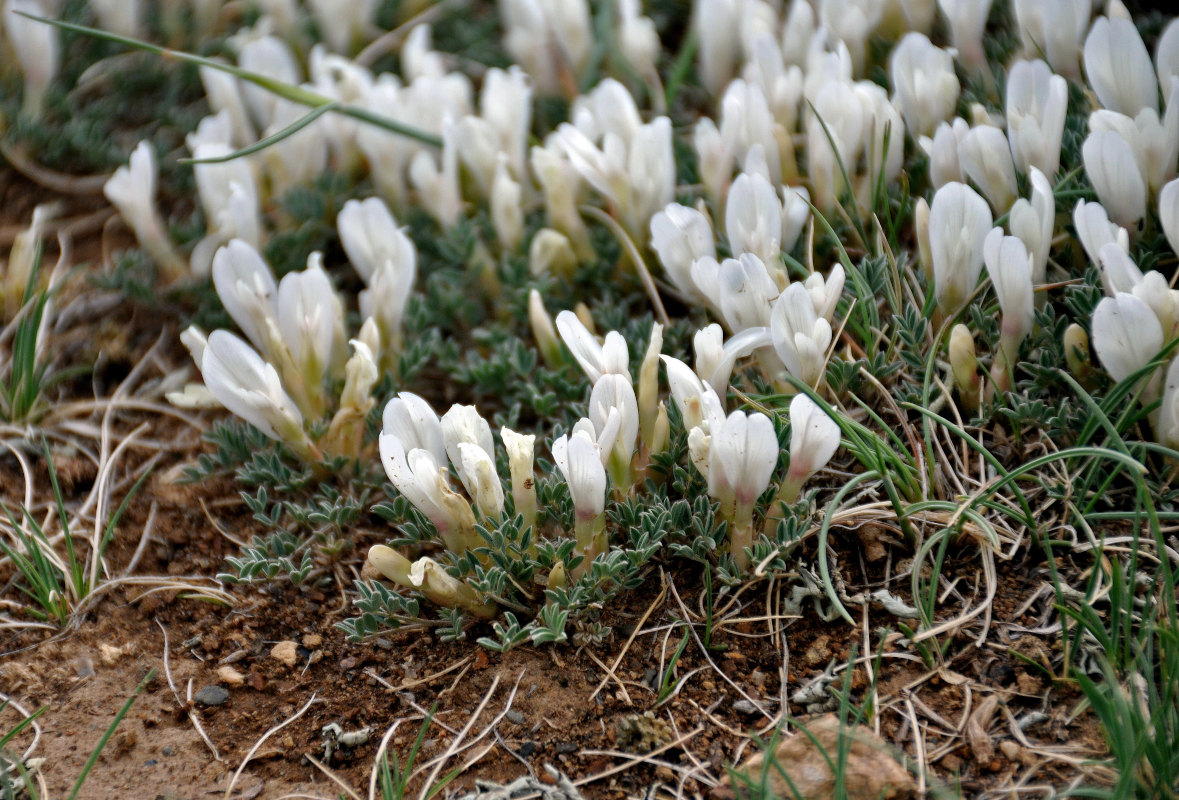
x=556, y=704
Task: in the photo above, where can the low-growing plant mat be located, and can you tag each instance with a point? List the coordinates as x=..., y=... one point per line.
x=632, y=716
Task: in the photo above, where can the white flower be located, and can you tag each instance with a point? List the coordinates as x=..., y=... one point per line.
x=595, y=359
x=371, y=238
x=638, y=41
x=1118, y=272
x=959, y=222
x=1166, y=56
x=521, y=464
x=578, y=460
x=967, y=20
x=505, y=101
x=796, y=212
x=1033, y=222
x=311, y=321
x=742, y=457
x=986, y=159
x=718, y=32
x=343, y=22
x=814, y=438
x=463, y=424
x=247, y=289
x=680, y=235
x=697, y=401
x=944, y=166
x=614, y=394
x=1037, y=102
x=300, y=157
x=250, y=388
x=1010, y=268
x=1167, y=429
x=223, y=91
x=746, y=122
x=476, y=469
x=507, y=213
x=1095, y=230
x=420, y=476
x=799, y=335
x=836, y=125
x=410, y=419
x=132, y=189
x=272, y=57
x=1169, y=213
x=1054, y=29
x=753, y=218
x=1126, y=334
x=1118, y=67
x=551, y=39
x=925, y=84
x=36, y=47
x=436, y=179
x=747, y=292
x=825, y=294
x=1113, y=171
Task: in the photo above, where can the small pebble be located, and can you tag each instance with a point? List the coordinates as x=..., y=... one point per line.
x=384, y=643
x=230, y=676
x=151, y=762
x=527, y=749
x=566, y=747
x=312, y=640
x=349, y=663
x=286, y=652
x=743, y=706
x=211, y=696
x=109, y=654
x=169, y=750
x=516, y=717
x=84, y=667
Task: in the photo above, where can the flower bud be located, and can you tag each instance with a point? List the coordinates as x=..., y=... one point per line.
x=551, y=253
x=1076, y=352
x=648, y=394
x=543, y=331
x=521, y=464
x=964, y=366
x=427, y=576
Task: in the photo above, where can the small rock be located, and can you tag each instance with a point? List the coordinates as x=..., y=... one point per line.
x=211, y=696
x=819, y=652
x=230, y=676
x=871, y=772
x=383, y=643
x=348, y=663
x=527, y=749
x=516, y=717
x=256, y=681
x=286, y=652
x=169, y=750
x=743, y=706
x=84, y=667
x=109, y=654
x=566, y=747
x=312, y=640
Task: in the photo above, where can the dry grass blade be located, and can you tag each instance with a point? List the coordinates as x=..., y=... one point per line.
x=454, y=748
x=262, y=740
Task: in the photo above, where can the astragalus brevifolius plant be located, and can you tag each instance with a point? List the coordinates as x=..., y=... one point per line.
x=818, y=268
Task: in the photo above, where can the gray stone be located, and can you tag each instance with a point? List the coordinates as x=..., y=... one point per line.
x=211, y=696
